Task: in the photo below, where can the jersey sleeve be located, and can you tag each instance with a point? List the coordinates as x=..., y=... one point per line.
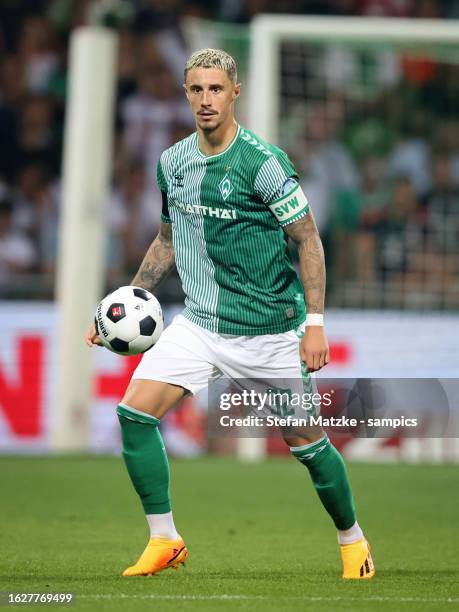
x=165, y=217
x=277, y=185
x=162, y=184
x=160, y=178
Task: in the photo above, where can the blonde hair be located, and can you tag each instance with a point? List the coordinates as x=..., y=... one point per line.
x=213, y=58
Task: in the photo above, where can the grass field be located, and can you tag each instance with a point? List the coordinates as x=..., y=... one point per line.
x=257, y=536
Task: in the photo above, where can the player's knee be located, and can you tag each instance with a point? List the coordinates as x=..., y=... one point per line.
x=308, y=435
x=152, y=397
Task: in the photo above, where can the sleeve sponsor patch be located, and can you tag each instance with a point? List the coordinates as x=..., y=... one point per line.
x=291, y=207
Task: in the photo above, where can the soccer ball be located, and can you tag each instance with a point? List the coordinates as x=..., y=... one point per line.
x=129, y=321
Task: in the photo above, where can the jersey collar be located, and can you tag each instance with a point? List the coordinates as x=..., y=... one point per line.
x=236, y=136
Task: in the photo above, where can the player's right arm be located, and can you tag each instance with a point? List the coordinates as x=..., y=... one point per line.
x=160, y=257
x=158, y=261
x=156, y=265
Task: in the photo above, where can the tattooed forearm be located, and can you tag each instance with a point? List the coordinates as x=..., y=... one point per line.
x=158, y=261
x=312, y=261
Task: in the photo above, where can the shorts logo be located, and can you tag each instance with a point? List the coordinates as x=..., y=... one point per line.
x=226, y=188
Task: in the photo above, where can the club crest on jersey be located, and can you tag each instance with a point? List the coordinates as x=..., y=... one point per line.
x=226, y=188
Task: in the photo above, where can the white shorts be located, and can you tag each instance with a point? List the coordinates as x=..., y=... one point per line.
x=191, y=357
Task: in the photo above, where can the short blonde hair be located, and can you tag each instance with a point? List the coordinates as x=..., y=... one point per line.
x=213, y=58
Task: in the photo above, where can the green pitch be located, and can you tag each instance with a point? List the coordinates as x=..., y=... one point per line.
x=257, y=536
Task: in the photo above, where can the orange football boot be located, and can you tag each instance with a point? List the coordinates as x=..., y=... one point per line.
x=357, y=561
x=159, y=554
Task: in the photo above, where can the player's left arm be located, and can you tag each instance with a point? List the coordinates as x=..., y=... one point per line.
x=277, y=184
x=314, y=349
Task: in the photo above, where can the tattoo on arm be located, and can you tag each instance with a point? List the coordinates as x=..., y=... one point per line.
x=158, y=261
x=312, y=261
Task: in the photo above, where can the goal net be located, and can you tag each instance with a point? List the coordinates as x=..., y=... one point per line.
x=367, y=110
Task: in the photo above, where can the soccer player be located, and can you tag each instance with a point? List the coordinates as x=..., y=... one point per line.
x=230, y=203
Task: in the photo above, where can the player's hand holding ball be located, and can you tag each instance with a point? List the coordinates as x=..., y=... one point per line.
x=92, y=337
x=128, y=321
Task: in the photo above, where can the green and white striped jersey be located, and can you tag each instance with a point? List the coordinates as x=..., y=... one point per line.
x=227, y=212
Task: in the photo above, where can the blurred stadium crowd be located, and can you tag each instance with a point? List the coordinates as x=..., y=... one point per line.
x=380, y=167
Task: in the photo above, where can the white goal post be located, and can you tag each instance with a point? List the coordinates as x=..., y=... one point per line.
x=82, y=229
x=267, y=32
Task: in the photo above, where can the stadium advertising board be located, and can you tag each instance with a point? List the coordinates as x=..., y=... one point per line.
x=381, y=345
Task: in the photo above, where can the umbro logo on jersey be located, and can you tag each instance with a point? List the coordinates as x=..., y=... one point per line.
x=226, y=187
x=178, y=180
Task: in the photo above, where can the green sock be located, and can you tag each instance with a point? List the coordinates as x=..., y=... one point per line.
x=329, y=476
x=145, y=458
